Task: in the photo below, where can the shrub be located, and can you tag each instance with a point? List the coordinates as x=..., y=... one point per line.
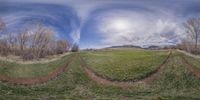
x=75, y=48
x=27, y=55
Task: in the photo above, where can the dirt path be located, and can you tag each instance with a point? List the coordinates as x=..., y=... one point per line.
x=122, y=84
x=190, y=67
x=34, y=80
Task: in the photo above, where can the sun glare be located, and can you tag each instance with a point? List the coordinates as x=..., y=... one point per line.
x=120, y=24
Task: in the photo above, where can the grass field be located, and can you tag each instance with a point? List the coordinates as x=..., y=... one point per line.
x=174, y=83
x=30, y=70
x=194, y=61
x=125, y=64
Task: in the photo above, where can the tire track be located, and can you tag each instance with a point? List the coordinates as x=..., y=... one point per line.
x=34, y=80
x=122, y=84
x=191, y=67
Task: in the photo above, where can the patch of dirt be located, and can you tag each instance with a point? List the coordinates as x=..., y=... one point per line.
x=34, y=80
x=190, y=67
x=123, y=84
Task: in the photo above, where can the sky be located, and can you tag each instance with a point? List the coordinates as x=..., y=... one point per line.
x=103, y=23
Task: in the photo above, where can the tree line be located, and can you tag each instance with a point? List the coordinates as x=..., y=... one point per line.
x=33, y=43
x=41, y=42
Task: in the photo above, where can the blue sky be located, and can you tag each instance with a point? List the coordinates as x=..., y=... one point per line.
x=100, y=23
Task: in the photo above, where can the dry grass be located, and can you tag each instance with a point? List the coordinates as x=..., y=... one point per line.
x=189, y=54
x=19, y=60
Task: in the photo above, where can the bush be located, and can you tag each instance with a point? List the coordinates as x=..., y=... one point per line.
x=75, y=48
x=195, y=51
x=27, y=55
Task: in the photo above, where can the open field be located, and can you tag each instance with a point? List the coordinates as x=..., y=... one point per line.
x=30, y=70
x=125, y=64
x=175, y=82
x=194, y=61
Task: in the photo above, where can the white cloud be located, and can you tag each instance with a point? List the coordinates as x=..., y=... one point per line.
x=142, y=28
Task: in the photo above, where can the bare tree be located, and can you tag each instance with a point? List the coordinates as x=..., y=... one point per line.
x=2, y=24
x=12, y=42
x=4, y=47
x=32, y=42
x=192, y=27
x=3, y=41
x=62, y=46
x=40, y=40
x=22, y=39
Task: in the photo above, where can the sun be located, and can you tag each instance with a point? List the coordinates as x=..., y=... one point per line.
x=120, y=24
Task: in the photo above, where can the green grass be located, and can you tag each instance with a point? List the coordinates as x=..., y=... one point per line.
x=177, y=81
x=174, y=83
x=30, y=70
x=194, y=61
x=124, y=64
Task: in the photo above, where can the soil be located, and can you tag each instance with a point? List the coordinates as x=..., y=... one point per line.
x=191, y=68
x=123, y=84
x=34, y=80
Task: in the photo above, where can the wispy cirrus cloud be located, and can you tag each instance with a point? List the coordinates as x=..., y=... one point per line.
x=97, y=22
x=140, y=28
x=62, y=19
x=135, y=26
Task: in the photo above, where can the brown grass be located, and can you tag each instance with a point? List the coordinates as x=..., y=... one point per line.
x=19, y=60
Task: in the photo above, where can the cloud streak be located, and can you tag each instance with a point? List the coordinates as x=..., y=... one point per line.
x=146, y=25
x=62, y=19
x=93, y=22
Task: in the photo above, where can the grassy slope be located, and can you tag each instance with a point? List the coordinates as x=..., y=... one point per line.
x=30, y=70
x=125, y=64
x=175, y=83
x=194, y=61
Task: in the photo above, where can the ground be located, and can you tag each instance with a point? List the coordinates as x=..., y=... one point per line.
x=33, y=69
x=175, y=81
x=125, y=64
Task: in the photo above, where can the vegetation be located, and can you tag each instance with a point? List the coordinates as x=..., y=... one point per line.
x=192, y=29
x=2, y=25
x=75, y=48
x=175, y=83
x=125, y=64
x=30, y=70
x=36, y=41
x=194, y=61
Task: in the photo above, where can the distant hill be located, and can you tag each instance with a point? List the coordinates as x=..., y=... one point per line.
x=153, y=47
x=125, y=46
x=133, y=46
